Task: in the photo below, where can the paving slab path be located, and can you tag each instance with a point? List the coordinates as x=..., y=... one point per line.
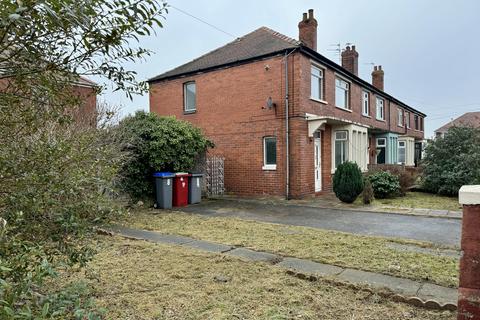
x=435, y=230
x=418, y=293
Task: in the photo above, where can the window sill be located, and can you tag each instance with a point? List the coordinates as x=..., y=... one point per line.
x=366, y=115
x=348, y=110
x=319, y=101
x=189, y=111
x=382, y=120
x=269, y=167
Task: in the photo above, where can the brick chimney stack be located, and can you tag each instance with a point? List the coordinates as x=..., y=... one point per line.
x=377, y=77
x=350, y=60
x=307, y=30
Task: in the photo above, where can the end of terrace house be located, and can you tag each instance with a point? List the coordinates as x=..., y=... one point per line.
x=284, y=116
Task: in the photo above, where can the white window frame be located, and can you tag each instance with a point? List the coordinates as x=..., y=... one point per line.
x=407, y=119
x=345, y=155
x=185, y=105
x=416, y=124
x=346, y=92
x=265, y=165
x=320, y=79
x=384, y=142
x=404, y=152
x=400, y=117
x=365, y=103
x=380, y=105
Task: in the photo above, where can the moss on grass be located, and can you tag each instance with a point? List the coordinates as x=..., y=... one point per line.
x=330, y=247
x=141, y=280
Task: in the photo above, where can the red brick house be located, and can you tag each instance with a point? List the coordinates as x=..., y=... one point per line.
x=86, y=90
x=284, y=116
x=469, y=119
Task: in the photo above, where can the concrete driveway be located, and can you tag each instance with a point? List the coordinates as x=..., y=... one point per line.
x=436, y=230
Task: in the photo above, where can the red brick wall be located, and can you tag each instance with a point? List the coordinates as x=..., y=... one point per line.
x=329, y=109
x=232, y=112
x=88, y=104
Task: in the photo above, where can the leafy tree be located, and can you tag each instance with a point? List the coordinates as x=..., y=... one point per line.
x=384, y=184
x=157, y=144
x=56, y=176
x=452, y=161
x=348, y=182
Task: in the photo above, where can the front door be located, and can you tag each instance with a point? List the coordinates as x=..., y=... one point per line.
x=381, y=150
x=318, y=162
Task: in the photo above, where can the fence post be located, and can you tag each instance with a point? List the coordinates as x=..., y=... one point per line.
x=469, y=289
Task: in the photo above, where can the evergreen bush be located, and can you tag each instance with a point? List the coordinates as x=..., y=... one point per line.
x=347, y=182
x=385, y=184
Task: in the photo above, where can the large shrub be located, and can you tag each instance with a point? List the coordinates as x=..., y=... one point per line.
x=452, y=161
x=347, y=182
x=57, y=177
x=384, y=184
x=157, y=144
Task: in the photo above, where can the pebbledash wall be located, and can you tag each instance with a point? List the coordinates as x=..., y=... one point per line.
x=231, y=110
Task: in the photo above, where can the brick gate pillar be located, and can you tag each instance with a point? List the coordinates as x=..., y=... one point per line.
x=469, y=289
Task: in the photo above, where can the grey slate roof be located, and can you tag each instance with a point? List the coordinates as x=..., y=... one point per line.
x=262, y=41
x=469, y=119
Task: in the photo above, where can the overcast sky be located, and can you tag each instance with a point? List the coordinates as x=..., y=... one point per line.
x=429, y=49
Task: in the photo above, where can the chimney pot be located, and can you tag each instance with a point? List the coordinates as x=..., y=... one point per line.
x=378, y=77
x=307, y=30
x=350, y=59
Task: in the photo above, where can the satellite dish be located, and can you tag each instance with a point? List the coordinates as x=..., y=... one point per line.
x=270, y=103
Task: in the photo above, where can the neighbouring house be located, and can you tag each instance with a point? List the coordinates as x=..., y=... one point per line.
x=284, y=116
x=469, y=119
x=86, y=90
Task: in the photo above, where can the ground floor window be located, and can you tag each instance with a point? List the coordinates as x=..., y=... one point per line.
x=341, y=147
x=401, y=152
x=269, y=153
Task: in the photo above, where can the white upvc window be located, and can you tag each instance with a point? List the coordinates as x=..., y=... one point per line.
x=381, y=142
x=316, y=83
x=380, y=109
x=402, y=152
x=269, y=153
x=341, y=147
x=365, y=103
x=400, y=117
x=407, y=119
x=189, y=96
x=342, y=93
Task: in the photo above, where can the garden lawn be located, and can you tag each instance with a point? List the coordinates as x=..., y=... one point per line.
x=141, y=280
x=421, y=200
x=330, y=247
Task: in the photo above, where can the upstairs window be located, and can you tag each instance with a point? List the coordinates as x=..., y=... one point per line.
x=416, y=122
x=421, y=124
x=341, y=147
x=407, y=119
x=189, y=97
x=400, y=117
x=316, y=79
x=342, y=94
x=365, y=103
x=380, y=109
x=269, y=153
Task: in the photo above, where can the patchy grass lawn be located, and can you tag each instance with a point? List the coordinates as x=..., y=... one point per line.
x=330, y=247
x=422, y=200
x=140, y=280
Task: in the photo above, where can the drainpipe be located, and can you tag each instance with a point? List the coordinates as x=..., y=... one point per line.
x=287, y=131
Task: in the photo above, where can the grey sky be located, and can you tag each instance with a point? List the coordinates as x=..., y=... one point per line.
x=428, y=49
